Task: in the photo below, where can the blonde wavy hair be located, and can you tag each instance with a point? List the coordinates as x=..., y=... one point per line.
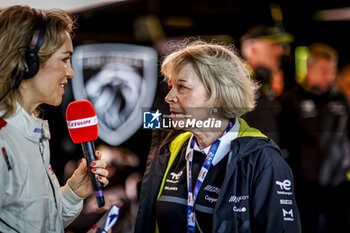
x=224, y=74
x=16, y=30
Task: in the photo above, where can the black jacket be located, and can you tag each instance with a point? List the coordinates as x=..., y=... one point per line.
x=257, y=194
x=314, y=131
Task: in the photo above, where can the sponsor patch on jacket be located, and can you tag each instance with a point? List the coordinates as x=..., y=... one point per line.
x=288, y=215
x=286, y=202
x=239, y=209
x=213, y=189
x=237, y=199
x=210, y=199
x=239, y=202
x=284, y=187
x=308, y=108
x=4, y=153
x=337, y=108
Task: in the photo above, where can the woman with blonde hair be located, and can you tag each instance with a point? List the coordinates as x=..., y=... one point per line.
x=222, y=177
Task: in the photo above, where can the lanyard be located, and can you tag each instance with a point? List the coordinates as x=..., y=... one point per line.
x=192, y=194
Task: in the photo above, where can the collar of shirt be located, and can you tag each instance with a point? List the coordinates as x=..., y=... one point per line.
x=32, y=127
x=225, y=143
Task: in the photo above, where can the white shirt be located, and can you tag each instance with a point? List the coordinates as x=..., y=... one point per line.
x=224, y=147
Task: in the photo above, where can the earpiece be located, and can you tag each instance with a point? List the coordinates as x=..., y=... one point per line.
x=31, y=56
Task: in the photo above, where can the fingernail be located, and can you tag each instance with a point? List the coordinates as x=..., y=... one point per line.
x=92, y=164
x=100, y=178
x=94, y=169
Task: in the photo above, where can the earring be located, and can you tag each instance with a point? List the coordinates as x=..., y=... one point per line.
x=215, y=110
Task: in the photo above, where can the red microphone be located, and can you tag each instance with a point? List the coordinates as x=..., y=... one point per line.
x=83, y=128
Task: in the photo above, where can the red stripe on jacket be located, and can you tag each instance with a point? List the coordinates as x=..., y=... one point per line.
x=2, y=123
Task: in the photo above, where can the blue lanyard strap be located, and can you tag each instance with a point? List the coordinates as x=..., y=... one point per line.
x=192, y=194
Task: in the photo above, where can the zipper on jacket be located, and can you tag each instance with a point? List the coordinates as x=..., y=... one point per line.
x=41, y=149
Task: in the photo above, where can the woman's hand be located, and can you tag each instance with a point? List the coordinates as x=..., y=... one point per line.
x=80, y=182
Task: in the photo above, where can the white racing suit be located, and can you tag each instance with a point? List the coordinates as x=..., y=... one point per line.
x=31, y=199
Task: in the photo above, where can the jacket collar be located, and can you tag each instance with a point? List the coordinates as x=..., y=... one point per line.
x=31, y=127
x=246, y=131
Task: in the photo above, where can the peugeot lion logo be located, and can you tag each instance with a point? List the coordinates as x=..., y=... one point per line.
x=120, y=80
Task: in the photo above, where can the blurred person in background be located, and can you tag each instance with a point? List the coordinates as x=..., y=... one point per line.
x=314, y=131
x=36, y=48
x=343, y=81
x=263, y=48
x=227, y=178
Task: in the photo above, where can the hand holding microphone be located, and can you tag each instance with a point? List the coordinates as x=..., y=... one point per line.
x=83, y=128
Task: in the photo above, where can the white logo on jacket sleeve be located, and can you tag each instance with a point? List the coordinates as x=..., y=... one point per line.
x=288, y=215
x=286, y=202
x=285, y=185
